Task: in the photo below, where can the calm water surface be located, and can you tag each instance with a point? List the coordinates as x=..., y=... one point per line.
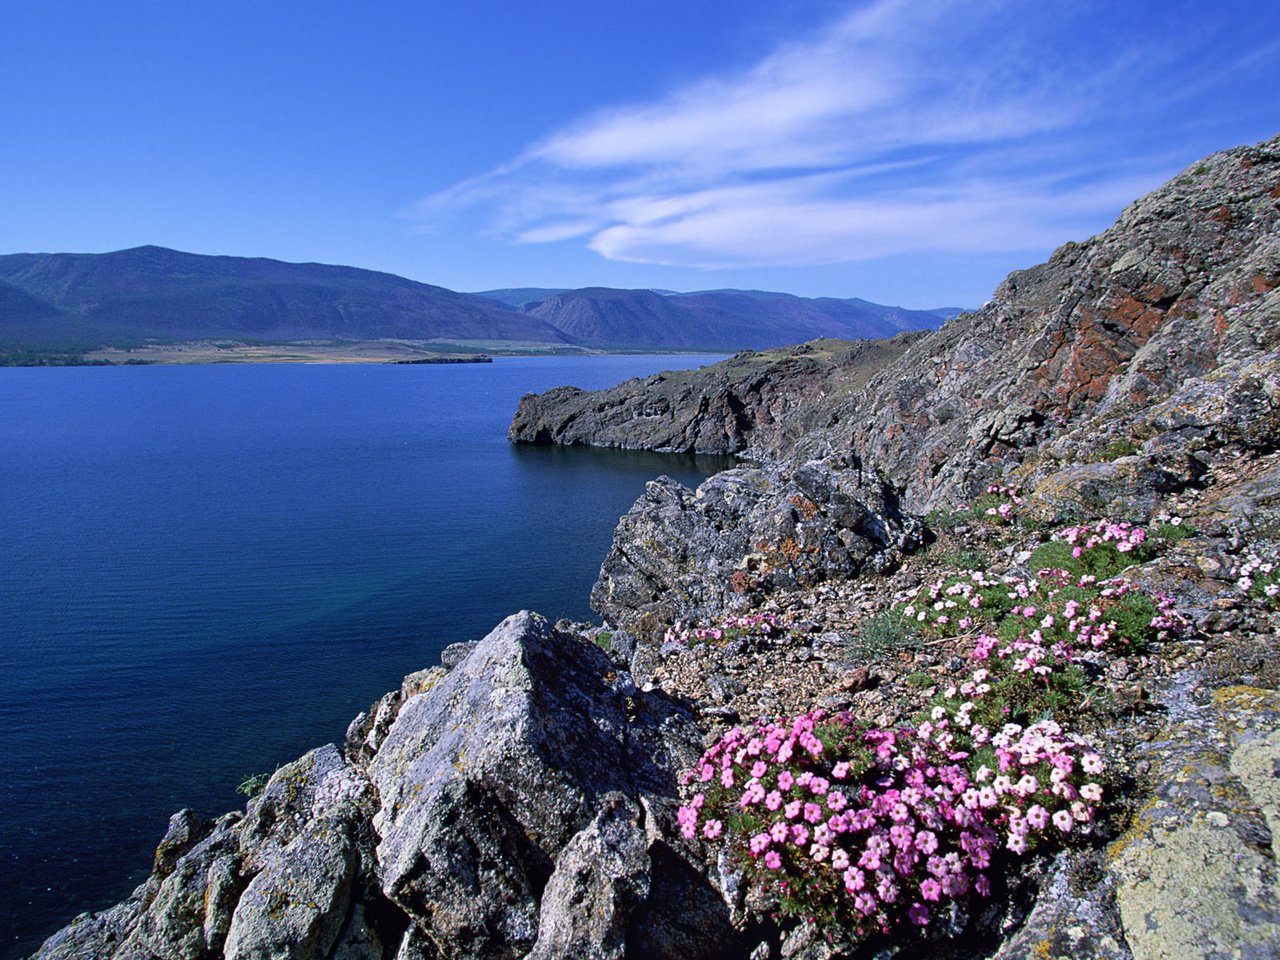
x=206, y=571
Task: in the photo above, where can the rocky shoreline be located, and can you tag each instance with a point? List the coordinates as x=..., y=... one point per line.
x=526, y=797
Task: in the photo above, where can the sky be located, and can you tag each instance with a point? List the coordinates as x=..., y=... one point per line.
x=910, y=152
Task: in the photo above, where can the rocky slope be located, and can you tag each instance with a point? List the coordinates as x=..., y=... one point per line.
x=753, y=404
x=521, y=800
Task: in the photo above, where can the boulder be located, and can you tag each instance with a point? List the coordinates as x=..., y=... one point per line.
x=601, y=879
x=681, y=555
x=487, y=779
x=295, y=907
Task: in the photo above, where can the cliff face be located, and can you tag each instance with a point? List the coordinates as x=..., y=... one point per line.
x=752, y=405
x=1183, y=284
x=521, y=800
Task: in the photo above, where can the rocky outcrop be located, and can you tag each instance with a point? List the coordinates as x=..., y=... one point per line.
x=753, y=404
x=680, y=555
x=476, y=814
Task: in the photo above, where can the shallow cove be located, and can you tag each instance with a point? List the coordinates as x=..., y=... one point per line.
x=206, y=571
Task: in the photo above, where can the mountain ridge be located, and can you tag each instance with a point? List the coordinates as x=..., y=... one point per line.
x=149, y=293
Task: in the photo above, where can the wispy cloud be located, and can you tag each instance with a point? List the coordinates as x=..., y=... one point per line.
x=905, y=126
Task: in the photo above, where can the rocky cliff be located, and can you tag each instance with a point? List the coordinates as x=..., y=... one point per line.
x=523, y=799
x=754, y=404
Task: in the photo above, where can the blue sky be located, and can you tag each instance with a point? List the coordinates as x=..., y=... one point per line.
x=906, y=152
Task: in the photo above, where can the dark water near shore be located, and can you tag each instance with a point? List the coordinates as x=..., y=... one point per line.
x=206, y=571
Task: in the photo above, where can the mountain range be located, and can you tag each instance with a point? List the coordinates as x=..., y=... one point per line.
x=78, y=302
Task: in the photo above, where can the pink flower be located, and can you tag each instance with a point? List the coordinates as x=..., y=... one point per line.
x=774, y=800
x=918, y=914
x=812, y=812
x=759, y=843
x=772, y=860
x=1062, y=820
x=759, y=769
x=711, y=829
x=792, y=809
x=785, y=780
x=854, y=879
x=840, y=770
x=865, y=904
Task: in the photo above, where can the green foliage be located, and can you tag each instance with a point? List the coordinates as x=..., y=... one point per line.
x=883, y=635
x=1132, y=614
x=1053, y=555
x=959, y=558
x=253, y=785
x=604, y=640
x=1117, y=448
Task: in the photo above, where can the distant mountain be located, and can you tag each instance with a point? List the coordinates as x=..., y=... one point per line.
x=70, y=302
x=719, y=319
x=153, y=292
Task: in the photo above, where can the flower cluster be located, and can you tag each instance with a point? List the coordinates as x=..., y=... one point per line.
x=1124, y=536
x=1259, y=578
x=1056, y=608
x=752, y=624
x=1070, y=602
x=950, y=607
x=1006, y=499
x=871, y=827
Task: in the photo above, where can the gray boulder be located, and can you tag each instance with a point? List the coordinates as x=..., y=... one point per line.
x=295, y=907
x=600, y=880
x=681, y=555
x=487, y=779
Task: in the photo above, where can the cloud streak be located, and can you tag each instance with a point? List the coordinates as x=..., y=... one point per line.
x=903, y=127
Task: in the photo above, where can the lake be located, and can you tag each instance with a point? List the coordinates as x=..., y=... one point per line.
x=206, y=571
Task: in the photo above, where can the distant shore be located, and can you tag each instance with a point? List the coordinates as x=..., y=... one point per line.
x=304, y=351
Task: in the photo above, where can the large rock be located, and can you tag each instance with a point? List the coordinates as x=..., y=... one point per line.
x=1196, y=874
x=295, y=907
x=684, y=555
x=486, y=781
x=600, y=881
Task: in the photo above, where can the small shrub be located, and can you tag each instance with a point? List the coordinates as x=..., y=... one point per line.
x=1052, y=555
x=604, y=640
x=1259, y=578
x=1117, y=448
x=883, y=635
x=253, y=785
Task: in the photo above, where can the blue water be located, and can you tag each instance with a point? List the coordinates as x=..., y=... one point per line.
x=206, y=571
